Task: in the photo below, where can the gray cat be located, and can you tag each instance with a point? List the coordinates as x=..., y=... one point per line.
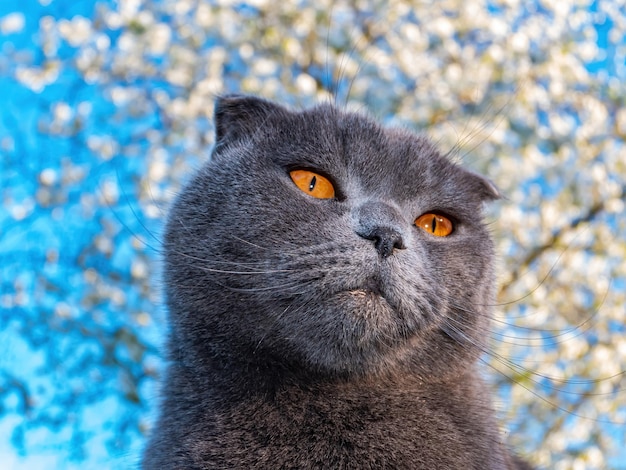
x=328, y=283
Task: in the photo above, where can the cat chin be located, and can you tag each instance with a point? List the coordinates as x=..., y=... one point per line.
x=366, y=295
x=359, y=331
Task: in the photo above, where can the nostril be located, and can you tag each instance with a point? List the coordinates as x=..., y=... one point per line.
x=385, y=240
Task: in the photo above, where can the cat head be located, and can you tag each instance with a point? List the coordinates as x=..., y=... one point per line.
x=321, y=240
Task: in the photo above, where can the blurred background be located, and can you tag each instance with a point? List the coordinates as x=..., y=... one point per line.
x=105, y=110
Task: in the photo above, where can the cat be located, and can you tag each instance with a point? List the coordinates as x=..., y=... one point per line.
x=328, y=282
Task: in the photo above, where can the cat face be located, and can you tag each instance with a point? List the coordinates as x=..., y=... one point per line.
x=322, y=240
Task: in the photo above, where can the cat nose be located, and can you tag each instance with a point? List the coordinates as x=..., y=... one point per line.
x=381, y=224
x=385, y=240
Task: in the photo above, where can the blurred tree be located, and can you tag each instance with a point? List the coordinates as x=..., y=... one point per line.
x=107, y=109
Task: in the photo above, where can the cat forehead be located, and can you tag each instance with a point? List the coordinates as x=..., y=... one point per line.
x=327, y=135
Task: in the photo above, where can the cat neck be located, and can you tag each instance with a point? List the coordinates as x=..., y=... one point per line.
x=259, y=373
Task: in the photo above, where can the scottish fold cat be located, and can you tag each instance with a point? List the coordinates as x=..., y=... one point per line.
x=328, y=283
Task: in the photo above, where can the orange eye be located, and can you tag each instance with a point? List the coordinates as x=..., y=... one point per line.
x=436, y=224
x=313, y=184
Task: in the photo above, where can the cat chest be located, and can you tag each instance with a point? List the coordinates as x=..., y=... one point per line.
x=334, y=434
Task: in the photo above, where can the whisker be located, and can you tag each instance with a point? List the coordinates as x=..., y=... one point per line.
x=528, y=373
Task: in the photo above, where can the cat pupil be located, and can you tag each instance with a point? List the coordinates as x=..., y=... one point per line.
x=434, y=223
x=312, y=184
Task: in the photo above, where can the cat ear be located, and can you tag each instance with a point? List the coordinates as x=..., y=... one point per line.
x=484, y=187
x=490, y=190
x=238, y=117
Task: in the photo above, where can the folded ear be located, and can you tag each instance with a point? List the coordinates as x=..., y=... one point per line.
x=490, y=191
x=483, y=187
x=238, y=117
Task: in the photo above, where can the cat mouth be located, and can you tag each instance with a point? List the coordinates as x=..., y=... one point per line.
x=370, y=288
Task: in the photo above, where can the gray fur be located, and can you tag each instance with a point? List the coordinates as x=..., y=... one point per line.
x=309, y=333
